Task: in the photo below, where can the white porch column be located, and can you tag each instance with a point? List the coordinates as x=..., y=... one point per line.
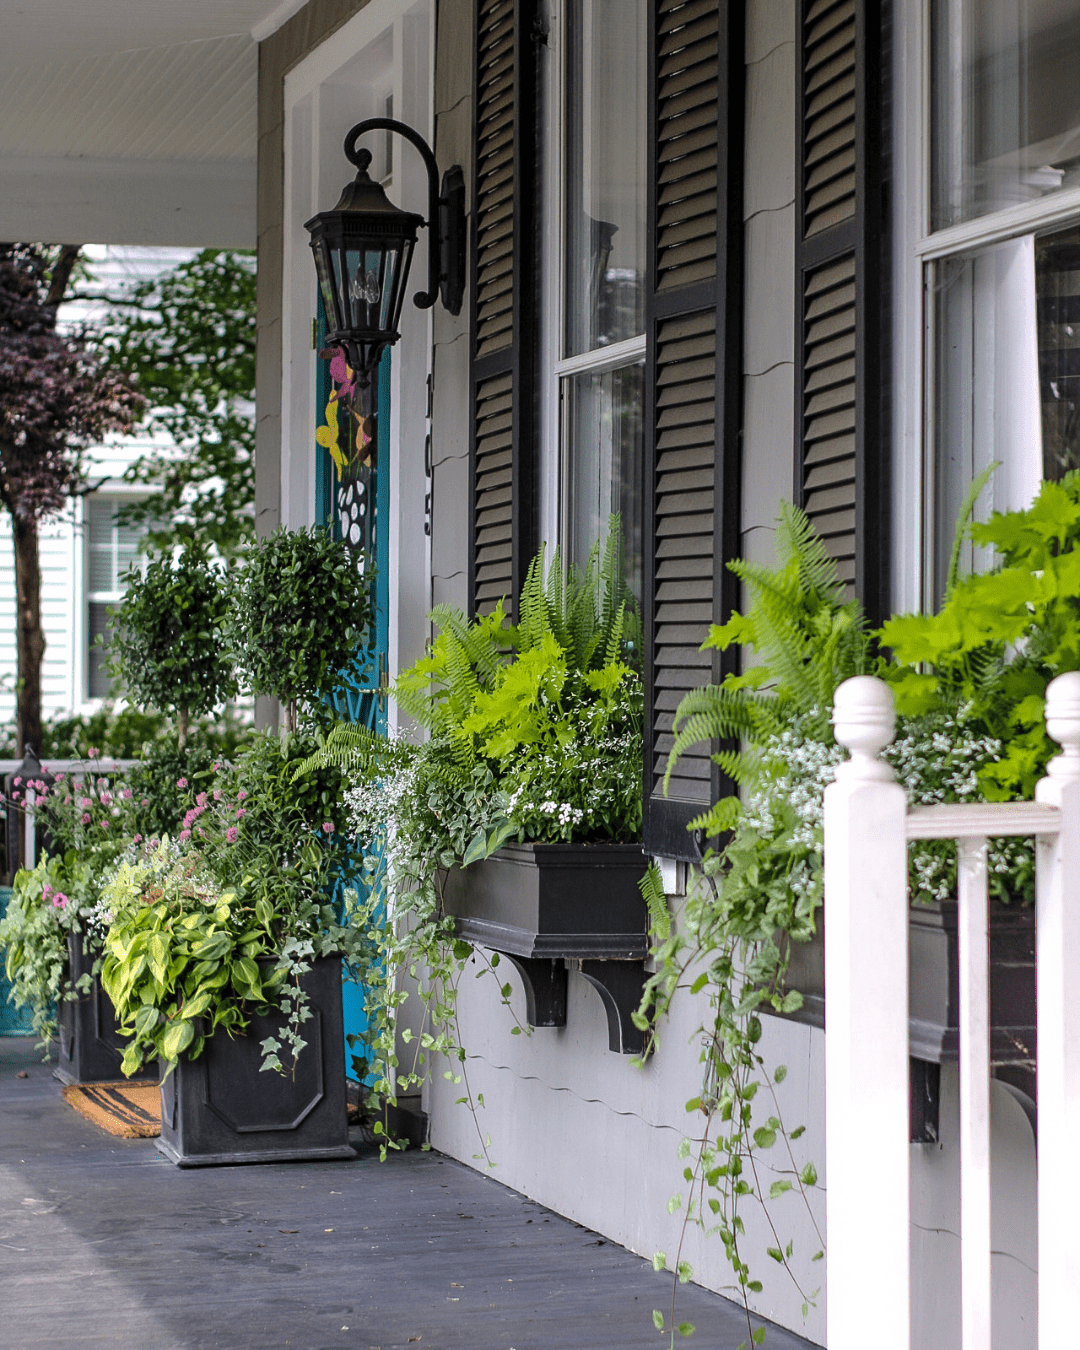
x=866, y=1037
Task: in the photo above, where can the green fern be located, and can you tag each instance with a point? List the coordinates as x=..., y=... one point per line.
x=808, y=635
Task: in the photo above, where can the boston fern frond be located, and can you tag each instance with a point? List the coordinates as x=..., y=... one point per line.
x=808, y=637
x=347, y=746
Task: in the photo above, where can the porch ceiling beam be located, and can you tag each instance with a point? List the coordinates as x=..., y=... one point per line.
x=193, y=204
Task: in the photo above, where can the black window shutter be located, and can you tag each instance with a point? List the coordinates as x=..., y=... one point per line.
x=693, y=379
x=502, y=530
x=840, y=299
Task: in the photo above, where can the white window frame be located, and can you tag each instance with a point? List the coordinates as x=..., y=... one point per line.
x=916, y=248
x=322, y=100
x=117, y=494
x=555, y=366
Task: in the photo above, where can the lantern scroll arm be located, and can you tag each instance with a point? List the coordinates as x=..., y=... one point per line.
x=445, y=254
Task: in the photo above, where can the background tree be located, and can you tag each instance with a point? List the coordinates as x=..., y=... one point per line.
x=187, y=340
x=167, y=646
x=56, y=399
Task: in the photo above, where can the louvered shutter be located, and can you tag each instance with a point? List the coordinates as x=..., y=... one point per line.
x=693, y=327
x=502, y=526
x=840, y=472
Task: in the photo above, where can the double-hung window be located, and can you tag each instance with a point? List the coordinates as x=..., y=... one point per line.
x=599, y=368
x=998, y=249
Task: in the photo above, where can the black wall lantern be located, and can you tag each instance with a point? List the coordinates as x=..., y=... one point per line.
x=363, y=251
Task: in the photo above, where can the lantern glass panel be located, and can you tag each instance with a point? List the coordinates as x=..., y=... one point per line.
x=322, y=267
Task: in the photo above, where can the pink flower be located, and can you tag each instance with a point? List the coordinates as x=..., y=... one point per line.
x=104, y=824
x=18, y=779
x=217, y=765
x=232, y=834
x=240, y=813
x=59, y=900
x=181, y=782
x=93, y=752
x=201, y=832
x=86, y=817
x=145, y=801
x=126, y=794
x=46, y=891
x=328, y=827
x=189, y=818
x=106, y=799
x=200, y=800
x=60, y=777
x=137, y=839
x=185, y=834
x=84, y=802
x=67, y=799
x=154, y=843
x=241, y=795
x=217, y=794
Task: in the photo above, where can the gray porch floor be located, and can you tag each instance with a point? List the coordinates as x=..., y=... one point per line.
x=104, y=1243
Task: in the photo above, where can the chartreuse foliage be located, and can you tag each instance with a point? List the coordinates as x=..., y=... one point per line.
x=1000, y=637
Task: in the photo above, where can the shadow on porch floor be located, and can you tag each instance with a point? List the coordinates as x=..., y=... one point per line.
x=104, y=1243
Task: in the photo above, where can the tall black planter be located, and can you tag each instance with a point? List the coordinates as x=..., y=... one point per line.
x=91, y=1047
x=221, y=1108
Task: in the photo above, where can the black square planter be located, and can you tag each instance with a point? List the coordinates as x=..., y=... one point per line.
x=90, y=1046
x=221, y=1107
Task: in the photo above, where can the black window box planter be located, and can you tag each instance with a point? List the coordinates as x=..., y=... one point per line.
x=90, y=1045
x=544, y=905
x=934, y=998
x=221, y=1108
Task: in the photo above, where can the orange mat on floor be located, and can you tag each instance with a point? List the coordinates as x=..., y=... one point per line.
x=129, y=1110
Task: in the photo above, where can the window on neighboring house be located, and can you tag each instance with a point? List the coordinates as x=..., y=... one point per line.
x=1001, y=255
x=600, y=369
x=111, y=549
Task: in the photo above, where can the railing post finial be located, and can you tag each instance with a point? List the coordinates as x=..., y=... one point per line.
x=864, y=722
x=1063, y=725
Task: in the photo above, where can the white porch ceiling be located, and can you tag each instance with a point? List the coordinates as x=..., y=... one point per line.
x=131, y=121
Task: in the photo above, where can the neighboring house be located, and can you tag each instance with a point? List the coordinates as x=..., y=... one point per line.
x=86, y=551
x=721, y=254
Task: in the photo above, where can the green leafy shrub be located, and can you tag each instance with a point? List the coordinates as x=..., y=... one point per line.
x=167, y=646
x=45, y=906
x=299, y=612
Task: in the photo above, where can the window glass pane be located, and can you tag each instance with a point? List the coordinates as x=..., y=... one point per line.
x=604, y=463
x=605, y=173
x=1007, y=378
x=1006, y=103
x=101, y=544
x=98, y=684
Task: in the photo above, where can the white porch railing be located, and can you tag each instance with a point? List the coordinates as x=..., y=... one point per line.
x=867, y=827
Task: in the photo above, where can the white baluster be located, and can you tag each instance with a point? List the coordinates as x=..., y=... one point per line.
x=974, y=988
x=866, y=1041
x=1058, y=953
